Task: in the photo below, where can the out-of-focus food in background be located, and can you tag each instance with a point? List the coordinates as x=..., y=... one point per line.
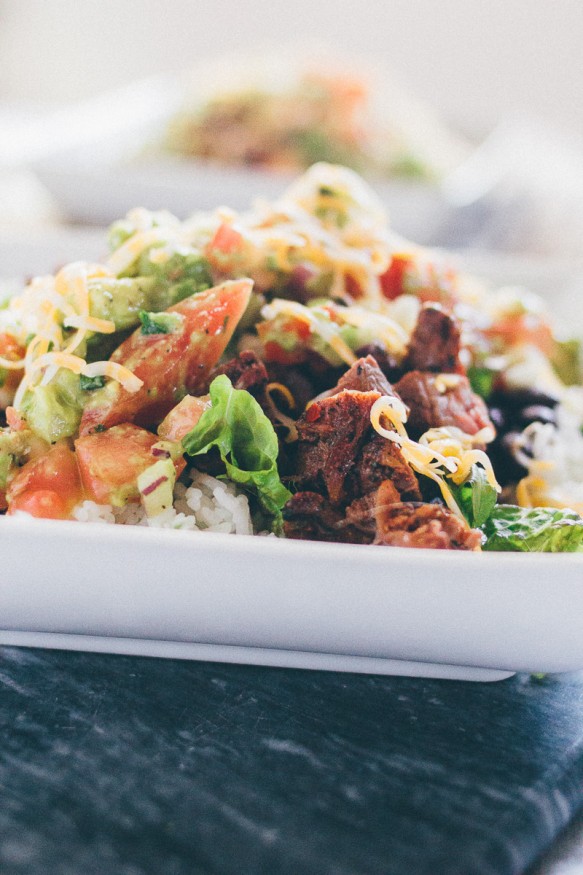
x=318, y=110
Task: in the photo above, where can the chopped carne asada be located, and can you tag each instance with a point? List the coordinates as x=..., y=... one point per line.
x=441, y=400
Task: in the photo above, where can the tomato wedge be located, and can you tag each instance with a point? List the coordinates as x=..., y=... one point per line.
x=183, y=417
x=170, y=364
x=111, y=461
x=48, y=486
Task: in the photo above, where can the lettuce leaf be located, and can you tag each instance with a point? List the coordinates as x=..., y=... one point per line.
x=475, y=497
x=533, y=530
x=236, y=425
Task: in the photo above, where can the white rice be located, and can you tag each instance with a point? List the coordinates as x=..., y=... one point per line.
x=208, y=504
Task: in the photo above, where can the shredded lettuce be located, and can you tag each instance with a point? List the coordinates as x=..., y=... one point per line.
x=533, y=530
x=236, y=425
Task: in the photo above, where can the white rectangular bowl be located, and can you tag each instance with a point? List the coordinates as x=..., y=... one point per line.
x=289, y=603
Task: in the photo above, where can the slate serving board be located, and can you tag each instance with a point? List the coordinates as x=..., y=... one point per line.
x=134, y=766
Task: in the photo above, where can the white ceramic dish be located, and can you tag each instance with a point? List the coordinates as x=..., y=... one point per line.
x=297, y=604
x=266, y=601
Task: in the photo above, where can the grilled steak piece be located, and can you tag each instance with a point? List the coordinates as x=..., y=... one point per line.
x=435, y=343
x=341, y=461
x=384, y=359
x=246, y=371
x=310, y=516
x=364, y=376
x=422, y=525
x=331, y=435
x=432, y=405
x=382, y=461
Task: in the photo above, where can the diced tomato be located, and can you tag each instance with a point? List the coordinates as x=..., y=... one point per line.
x=172, y=364
x=15, y=420
x=273, y=352
x=43, y=504
x=296, y=329
x=392, y=281
x=226, y=240
x=11, y=349
x=111, y=461
x=410, y=274
x=183, y=417
x=225, y=249
x=526, y=328
x=48, y=486
x=353, y=287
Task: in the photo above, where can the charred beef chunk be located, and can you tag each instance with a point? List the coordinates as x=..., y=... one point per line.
x=382, y=461
x=246, y=371
x=364, y=376
x=310, y=516
x=384, y=359
x=423, y=525
x=296, y=379
x=331, y=434
x=435, y=343
x=432, y=405
x=342, y=461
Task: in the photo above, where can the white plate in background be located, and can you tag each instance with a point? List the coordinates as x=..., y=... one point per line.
x=94, y=190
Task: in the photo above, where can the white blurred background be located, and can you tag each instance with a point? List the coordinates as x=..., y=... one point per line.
x=514, y=67
x=475, y=60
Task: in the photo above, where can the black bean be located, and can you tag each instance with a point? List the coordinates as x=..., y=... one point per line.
x=497, y=417
x=538, y=413
x=509, y=440
x=516, y=399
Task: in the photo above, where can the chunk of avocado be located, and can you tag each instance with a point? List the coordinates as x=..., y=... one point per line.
x=54, y=411
x=182, y=274
x=120, y=300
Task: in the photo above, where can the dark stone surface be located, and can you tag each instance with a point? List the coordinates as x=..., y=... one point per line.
x=135, y=766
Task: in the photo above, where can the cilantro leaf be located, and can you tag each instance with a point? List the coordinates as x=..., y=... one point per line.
x=538, y=529
x=88, y=384
x=247, y=443
x=481, y=380
x=160, y=323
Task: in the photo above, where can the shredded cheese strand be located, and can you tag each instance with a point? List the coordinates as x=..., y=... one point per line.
x=446, y=448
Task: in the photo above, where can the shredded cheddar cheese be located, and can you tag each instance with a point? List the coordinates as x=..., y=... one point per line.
x=46, y=312
x=440, y=453
x=287, y=421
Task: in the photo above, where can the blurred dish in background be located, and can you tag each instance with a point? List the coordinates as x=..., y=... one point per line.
x=239, y=128
x=285, y=114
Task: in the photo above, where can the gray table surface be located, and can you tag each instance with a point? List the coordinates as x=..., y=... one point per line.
x=127, y=766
